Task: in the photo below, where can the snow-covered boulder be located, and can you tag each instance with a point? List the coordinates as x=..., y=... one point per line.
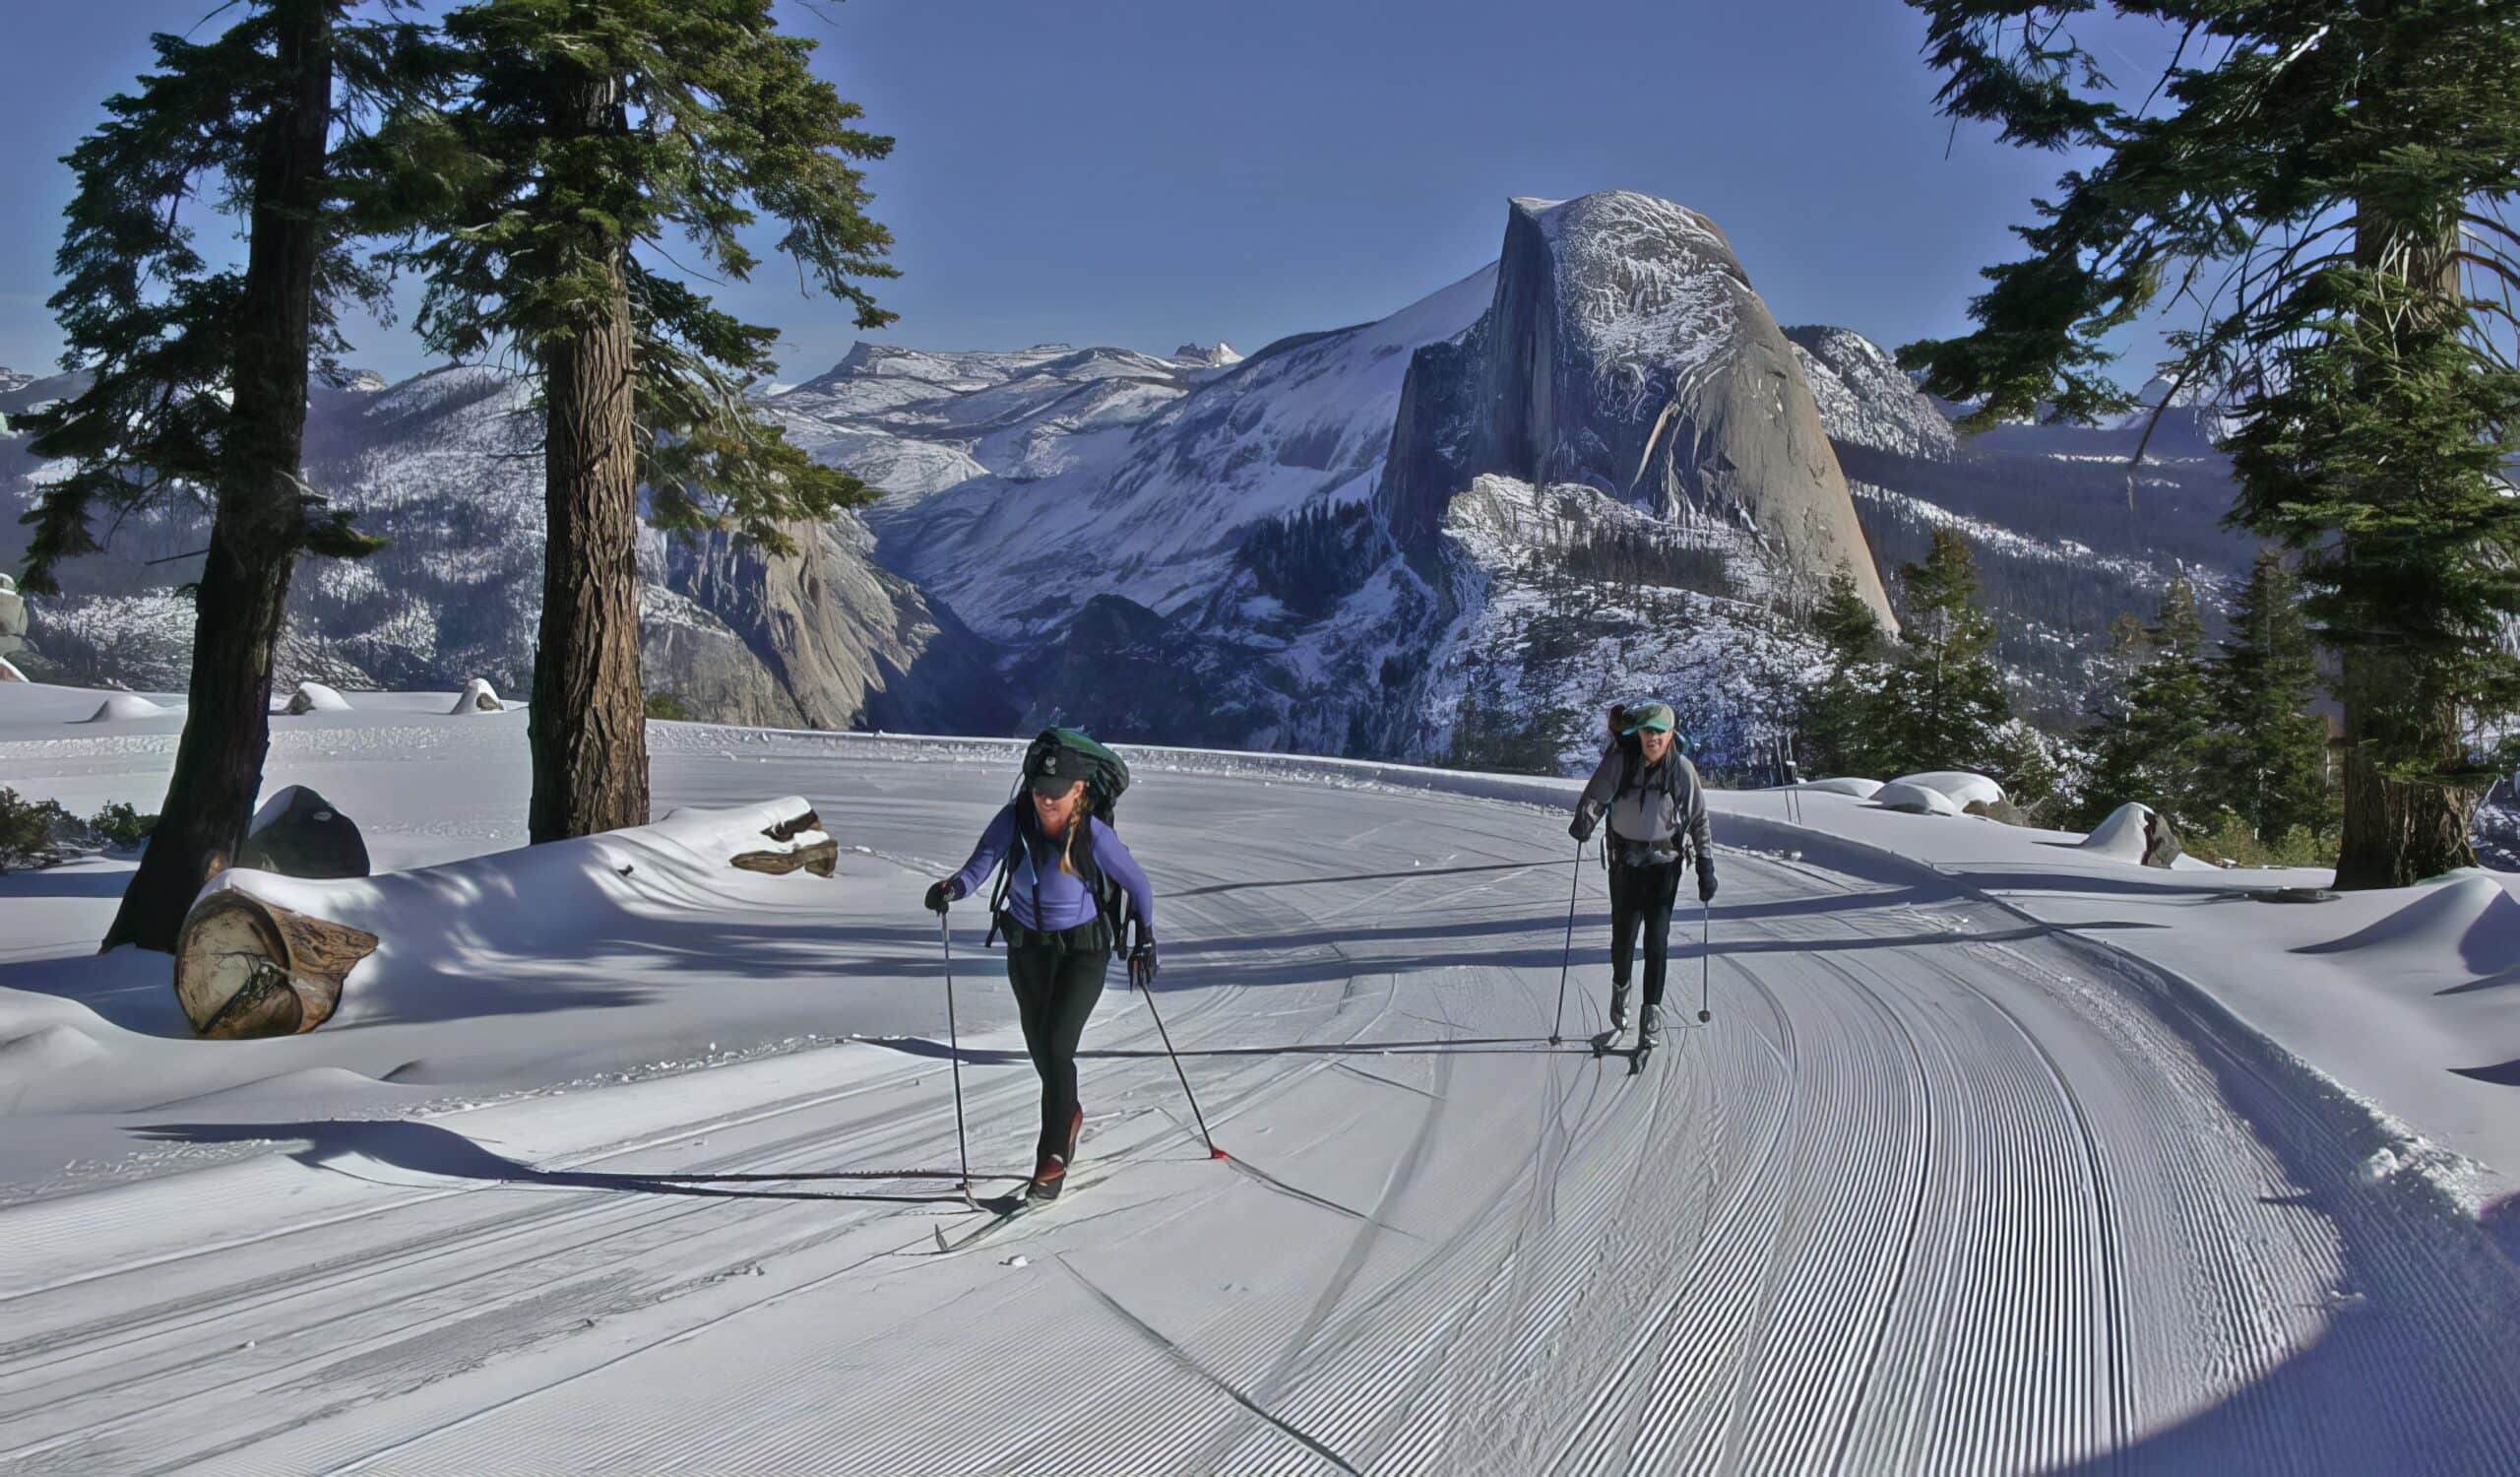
x=477, y=697
x=298, y=834
x=1915, y=800
x=315, y=697
x=125, y=705
x=1963, y=786
x=1855, y=784
x=2135, y=832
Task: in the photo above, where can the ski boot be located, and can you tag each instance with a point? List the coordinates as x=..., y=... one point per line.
x=1649, y=1029
x=1618, y=1004
x=1049, y=1177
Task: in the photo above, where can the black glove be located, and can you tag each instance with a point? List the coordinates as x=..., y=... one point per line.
x=1142, y=964
x=1581, y=828
x=1705, y=881
x=939, y=894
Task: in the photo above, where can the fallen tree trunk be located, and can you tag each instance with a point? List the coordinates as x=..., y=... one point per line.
x=246, y=967
x=821, y=856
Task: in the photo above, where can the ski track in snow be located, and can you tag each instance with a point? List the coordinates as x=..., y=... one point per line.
x=1933, y=1191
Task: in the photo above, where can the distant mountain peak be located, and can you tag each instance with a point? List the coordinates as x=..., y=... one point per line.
x=1219, y=353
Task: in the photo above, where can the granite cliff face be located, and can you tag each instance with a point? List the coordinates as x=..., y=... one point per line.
x=1625, y=351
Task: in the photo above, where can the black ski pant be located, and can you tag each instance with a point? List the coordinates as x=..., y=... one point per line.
x=1642, y=897
x=1057, y=980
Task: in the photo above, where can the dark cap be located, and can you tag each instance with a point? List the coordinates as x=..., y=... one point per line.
x=1050, y=776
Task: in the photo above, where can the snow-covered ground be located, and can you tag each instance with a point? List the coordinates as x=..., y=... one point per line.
x=1977, y=1165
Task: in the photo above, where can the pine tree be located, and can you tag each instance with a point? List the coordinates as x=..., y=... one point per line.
x=1840, y=721
x=198, y=377
x=2022, y=762
x=2157, y=750
x=601, y=139
x=2269, y=764
x=1943, y=699
x=2343, y=166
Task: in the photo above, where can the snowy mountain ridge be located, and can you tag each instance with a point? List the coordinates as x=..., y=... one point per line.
x=1210, y=548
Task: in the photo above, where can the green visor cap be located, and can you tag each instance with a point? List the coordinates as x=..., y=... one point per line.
x=1654, y=716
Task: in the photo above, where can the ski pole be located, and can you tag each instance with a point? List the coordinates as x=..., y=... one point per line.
x=1213, y=1151
x=954, y=1050
x=1574, y=883
x=1705, y=958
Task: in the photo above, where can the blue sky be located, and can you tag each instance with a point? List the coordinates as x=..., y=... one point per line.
x=1145, y=173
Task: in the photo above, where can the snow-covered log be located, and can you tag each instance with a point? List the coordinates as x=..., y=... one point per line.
x=805, y=848
x=246, y=967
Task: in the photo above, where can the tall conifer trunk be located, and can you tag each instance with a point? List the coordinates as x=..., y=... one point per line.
x=588, y=724
x=2395, y=832
x=255, y=529
x=2398, y=833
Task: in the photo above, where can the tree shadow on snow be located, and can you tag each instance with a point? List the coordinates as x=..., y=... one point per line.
x=339, y=1144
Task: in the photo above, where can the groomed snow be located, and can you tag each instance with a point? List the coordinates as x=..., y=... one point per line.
x=1951, y=1181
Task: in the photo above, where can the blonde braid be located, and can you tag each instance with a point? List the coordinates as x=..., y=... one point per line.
x=1077, y=820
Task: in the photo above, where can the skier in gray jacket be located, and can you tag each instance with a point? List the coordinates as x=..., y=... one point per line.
x=1657, y=811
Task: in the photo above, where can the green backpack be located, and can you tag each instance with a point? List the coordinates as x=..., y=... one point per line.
x=1067, y=751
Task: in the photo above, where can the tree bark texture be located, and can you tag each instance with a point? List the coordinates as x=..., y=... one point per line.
x=254, y=531
x=2398, y=833
x=588, y=723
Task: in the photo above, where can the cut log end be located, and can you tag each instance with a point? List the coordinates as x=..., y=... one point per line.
x=248, y=968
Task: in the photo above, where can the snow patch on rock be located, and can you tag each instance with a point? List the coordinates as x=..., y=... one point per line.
x=477, y=697
x=315, y=697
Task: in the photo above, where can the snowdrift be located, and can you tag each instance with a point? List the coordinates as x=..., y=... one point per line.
x=1861, y=788
x=1962, y=787
x=2467, y=924
x=1917, y=799
x=125, y=705
x=487, y=935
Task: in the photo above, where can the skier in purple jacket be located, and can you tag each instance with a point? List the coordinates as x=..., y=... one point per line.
x=1059, y=939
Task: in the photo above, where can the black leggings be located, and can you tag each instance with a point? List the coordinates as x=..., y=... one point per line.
x=1056, y=984
x=1642, y=895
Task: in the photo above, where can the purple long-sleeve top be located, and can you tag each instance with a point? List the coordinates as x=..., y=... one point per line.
x=1041, y=896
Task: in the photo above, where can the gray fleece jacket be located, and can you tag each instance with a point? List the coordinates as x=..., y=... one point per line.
x=1650, y=813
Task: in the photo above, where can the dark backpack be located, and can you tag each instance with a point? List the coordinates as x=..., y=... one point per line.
x=1066, y=752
